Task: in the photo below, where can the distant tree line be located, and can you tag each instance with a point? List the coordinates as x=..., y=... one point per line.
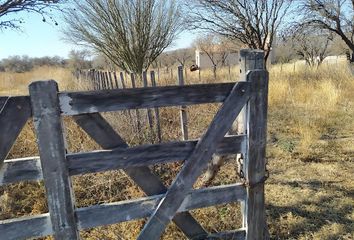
x=21, y=64
x=76, y=60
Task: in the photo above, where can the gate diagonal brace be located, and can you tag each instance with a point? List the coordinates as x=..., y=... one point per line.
x=196, y=162
x=14, y=113
x=102, y=132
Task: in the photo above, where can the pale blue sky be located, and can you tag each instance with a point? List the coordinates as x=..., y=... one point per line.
x=42, y=39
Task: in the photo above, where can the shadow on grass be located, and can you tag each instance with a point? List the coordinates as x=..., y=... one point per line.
x=312, y=215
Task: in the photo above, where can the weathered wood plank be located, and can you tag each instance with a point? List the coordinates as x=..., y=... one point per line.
x=27, y=169
x=111, y=213
x=143, y=155
x=75, y=103
x=2, y=102
x=17, y=170
x=14, y=113
x=255, y=162
x=196, y=162
x=183, y=112
x=26, y=227
x=250, y=59
x=48, y=125
x=106, y=214
x=230, y=235
x=142, y=176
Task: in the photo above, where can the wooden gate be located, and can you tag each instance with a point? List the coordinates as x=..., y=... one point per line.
x=161, y=205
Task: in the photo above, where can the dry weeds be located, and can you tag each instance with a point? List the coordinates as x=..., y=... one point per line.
x=310, y=152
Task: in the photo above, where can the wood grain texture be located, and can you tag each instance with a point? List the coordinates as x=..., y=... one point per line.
x=48, y=125
x=143, y=155
x=14, y=113
x=230, y=235
x=26, y=227
x=2, y=102
x=142, y=176
x=17, y=170
x=111, y=213
x=26, y=169
x=106, y=214
x=75, y=103
x=255, y=162
x=196, y=162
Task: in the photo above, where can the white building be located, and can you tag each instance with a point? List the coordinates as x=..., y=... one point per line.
x=202, y=59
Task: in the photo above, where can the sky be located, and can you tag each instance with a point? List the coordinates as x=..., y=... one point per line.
x=40, y=39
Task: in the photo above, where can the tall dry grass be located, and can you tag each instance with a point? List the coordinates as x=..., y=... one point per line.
x=310, y=110
x=17, y=83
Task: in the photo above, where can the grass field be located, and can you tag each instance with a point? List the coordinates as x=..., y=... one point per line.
x=310, y=152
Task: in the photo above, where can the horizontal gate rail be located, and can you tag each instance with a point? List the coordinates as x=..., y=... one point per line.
x=16, y=170
x=121, y=99
x=105, y=214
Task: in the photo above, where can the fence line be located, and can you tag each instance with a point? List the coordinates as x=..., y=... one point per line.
x=64, y=220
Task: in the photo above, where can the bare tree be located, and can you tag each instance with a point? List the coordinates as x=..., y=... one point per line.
x=131, y=33
x=184, y=55
x=252, y=22
x=79, y=59
x=311, y=45
x=335, y=16
x=165, y=60
x=10, y=8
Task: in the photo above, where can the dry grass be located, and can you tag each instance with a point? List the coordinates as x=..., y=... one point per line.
x=17, y=83
x=310, y=152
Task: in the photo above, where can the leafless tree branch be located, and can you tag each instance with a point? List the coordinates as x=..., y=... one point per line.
x=131, y=33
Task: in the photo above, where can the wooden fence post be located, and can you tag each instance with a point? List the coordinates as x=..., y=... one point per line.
x=255, y=158
x=183, y=111
x=157, y=112
x=115, y=79
x=137, y=114
x=250, y=59
x=122, y=79
x=47, y=121
x=110, y=79
x=97, y=80
x=149, y=116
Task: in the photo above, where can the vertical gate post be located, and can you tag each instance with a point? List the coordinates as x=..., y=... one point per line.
x=48, y=125
x=250, y=59
x=255, y=158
